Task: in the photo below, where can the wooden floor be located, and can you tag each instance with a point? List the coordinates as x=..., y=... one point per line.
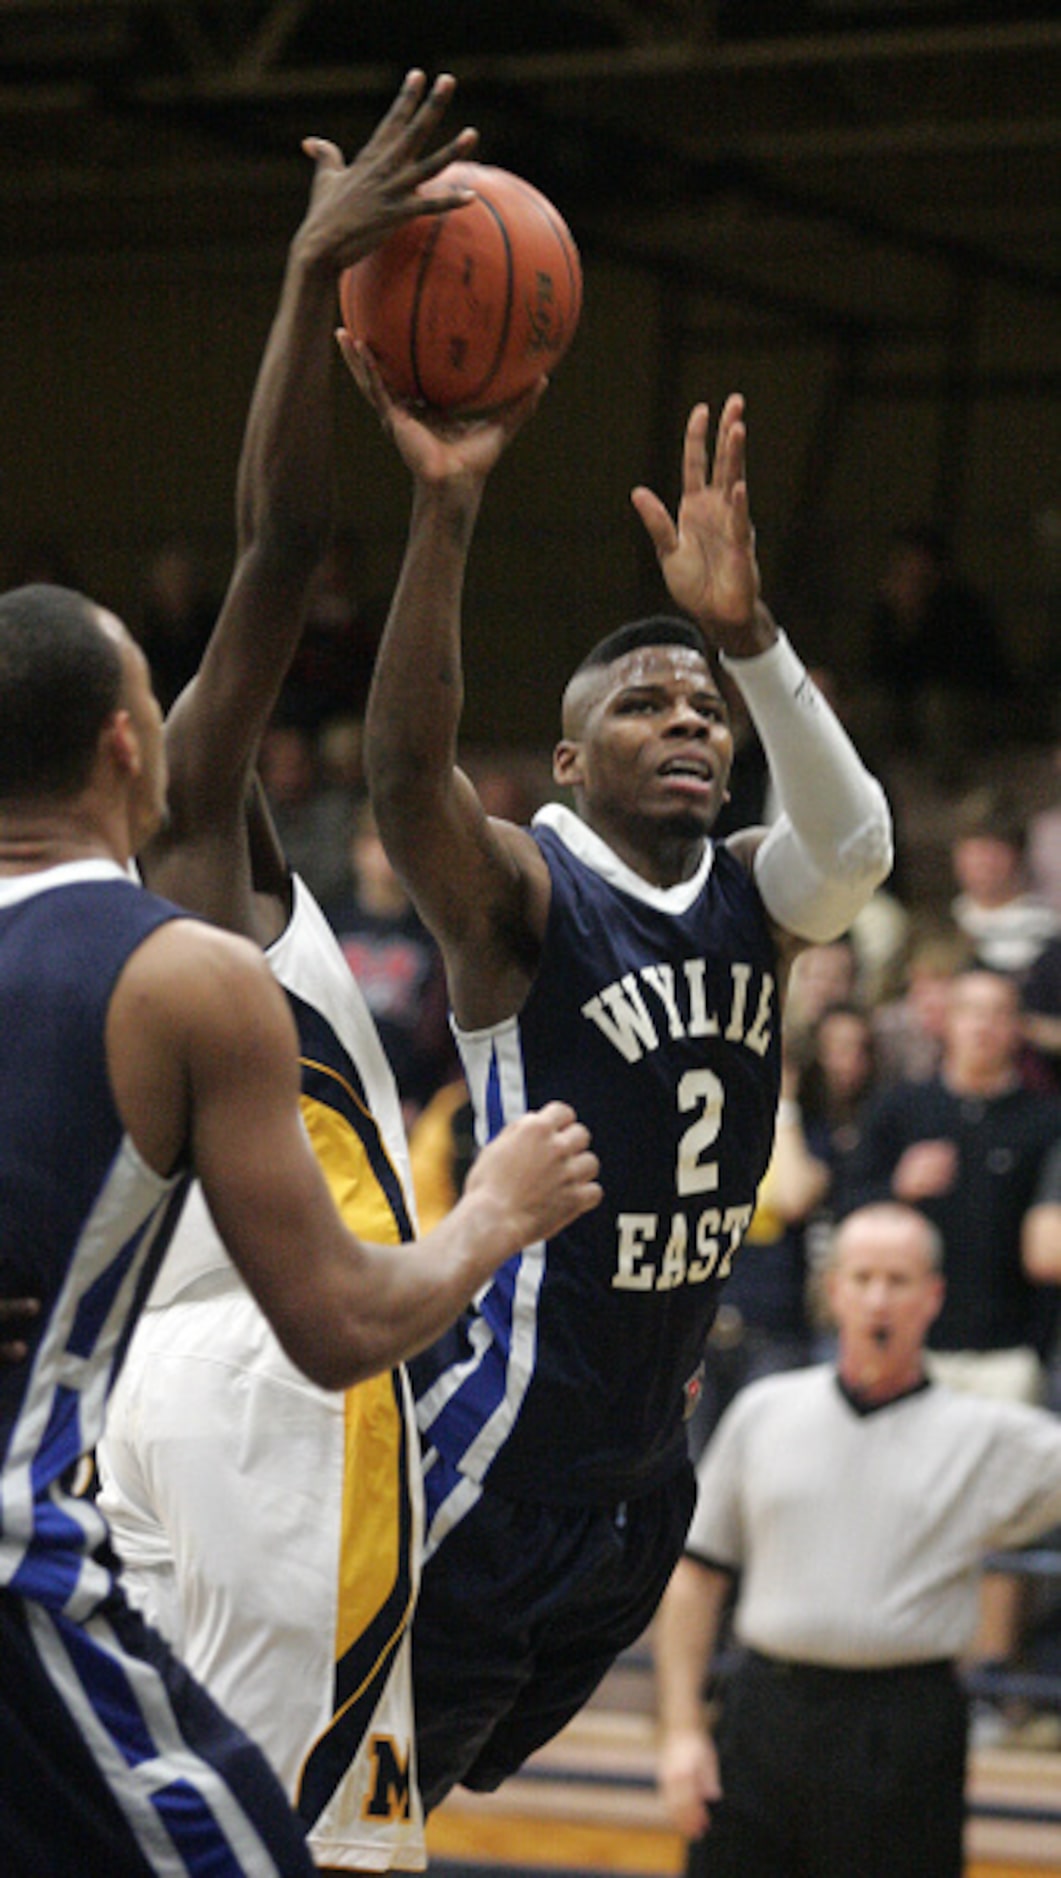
x=587, y=1804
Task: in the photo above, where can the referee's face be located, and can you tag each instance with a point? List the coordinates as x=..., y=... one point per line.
x=884, y=1294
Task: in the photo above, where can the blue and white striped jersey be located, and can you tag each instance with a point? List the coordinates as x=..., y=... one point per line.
x=83, y=1220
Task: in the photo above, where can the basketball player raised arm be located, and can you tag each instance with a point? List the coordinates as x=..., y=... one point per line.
x=203, y=857
x=482, y=885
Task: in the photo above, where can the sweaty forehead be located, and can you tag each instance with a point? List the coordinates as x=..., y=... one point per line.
x=651, y=665
x=643, y=666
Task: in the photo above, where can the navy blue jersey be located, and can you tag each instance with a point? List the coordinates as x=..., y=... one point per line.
x=111, y=1758
x=83, y=1221
x=655, y=1014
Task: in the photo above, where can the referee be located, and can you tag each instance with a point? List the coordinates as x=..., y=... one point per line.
x=855, y=1505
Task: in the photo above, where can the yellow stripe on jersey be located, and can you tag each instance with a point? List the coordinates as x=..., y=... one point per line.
x=370, y=1562
x=357, y=1193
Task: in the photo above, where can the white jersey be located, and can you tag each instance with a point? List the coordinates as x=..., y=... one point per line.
x=272, y=1529
x=307, y=961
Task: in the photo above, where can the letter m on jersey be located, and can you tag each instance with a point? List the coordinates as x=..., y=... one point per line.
x=388, y=1787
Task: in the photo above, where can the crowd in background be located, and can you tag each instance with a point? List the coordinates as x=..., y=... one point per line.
x=871, y=1019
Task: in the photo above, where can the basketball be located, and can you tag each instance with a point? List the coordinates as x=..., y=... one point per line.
x=467, y=310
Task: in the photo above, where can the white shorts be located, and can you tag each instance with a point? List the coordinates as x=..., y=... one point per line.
x=271, y=1530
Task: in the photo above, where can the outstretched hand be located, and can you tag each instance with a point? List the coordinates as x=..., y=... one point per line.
x=353, y=206
x=436, y=447
x=708, y=553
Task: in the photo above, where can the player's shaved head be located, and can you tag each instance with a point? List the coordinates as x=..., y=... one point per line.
x=590, y=677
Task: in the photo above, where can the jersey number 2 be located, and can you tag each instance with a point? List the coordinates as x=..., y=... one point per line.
x=699, y=1089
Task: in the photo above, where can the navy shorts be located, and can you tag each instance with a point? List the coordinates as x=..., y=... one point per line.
x=114, y=1760
x=522, y=1610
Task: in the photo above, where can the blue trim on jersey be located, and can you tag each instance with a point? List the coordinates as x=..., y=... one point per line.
x=495, y=1115
x=656, y=1015
x=83, y=1221
x=100, y=1724
x=157, y=1778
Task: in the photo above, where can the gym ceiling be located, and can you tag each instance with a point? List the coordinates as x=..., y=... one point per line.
x=802, y=160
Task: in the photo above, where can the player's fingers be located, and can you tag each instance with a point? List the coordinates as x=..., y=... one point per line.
x=657, y=521
x=575, y=1140
x=694, y=451
x=434, y=105
x=458, y=150
x=585, y=1173
x=741, y=513
x=413, y=117
x=403, y=107
x=324, y=154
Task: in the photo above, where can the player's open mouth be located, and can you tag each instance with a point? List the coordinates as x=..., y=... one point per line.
x=687, y=770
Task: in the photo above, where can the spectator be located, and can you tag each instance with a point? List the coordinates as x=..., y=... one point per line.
x=177, y=613
x=333, y=666
x=936, y=654
x=856, y=1505
x=511, y=785
x=879, y=935
x=908, y=1030
x=821, y=975
x=338, y=744
x=837, y=1083
x=313, y=821
x=1005, y=923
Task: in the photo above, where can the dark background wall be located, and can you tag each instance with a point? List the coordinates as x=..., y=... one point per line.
x=877, y=270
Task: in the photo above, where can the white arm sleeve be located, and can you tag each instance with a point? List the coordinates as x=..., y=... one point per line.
x=831, y=846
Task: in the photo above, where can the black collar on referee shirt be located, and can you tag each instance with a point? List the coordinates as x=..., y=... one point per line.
x=863, y=1406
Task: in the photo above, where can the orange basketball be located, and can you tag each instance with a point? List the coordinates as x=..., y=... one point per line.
x=464, y=311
